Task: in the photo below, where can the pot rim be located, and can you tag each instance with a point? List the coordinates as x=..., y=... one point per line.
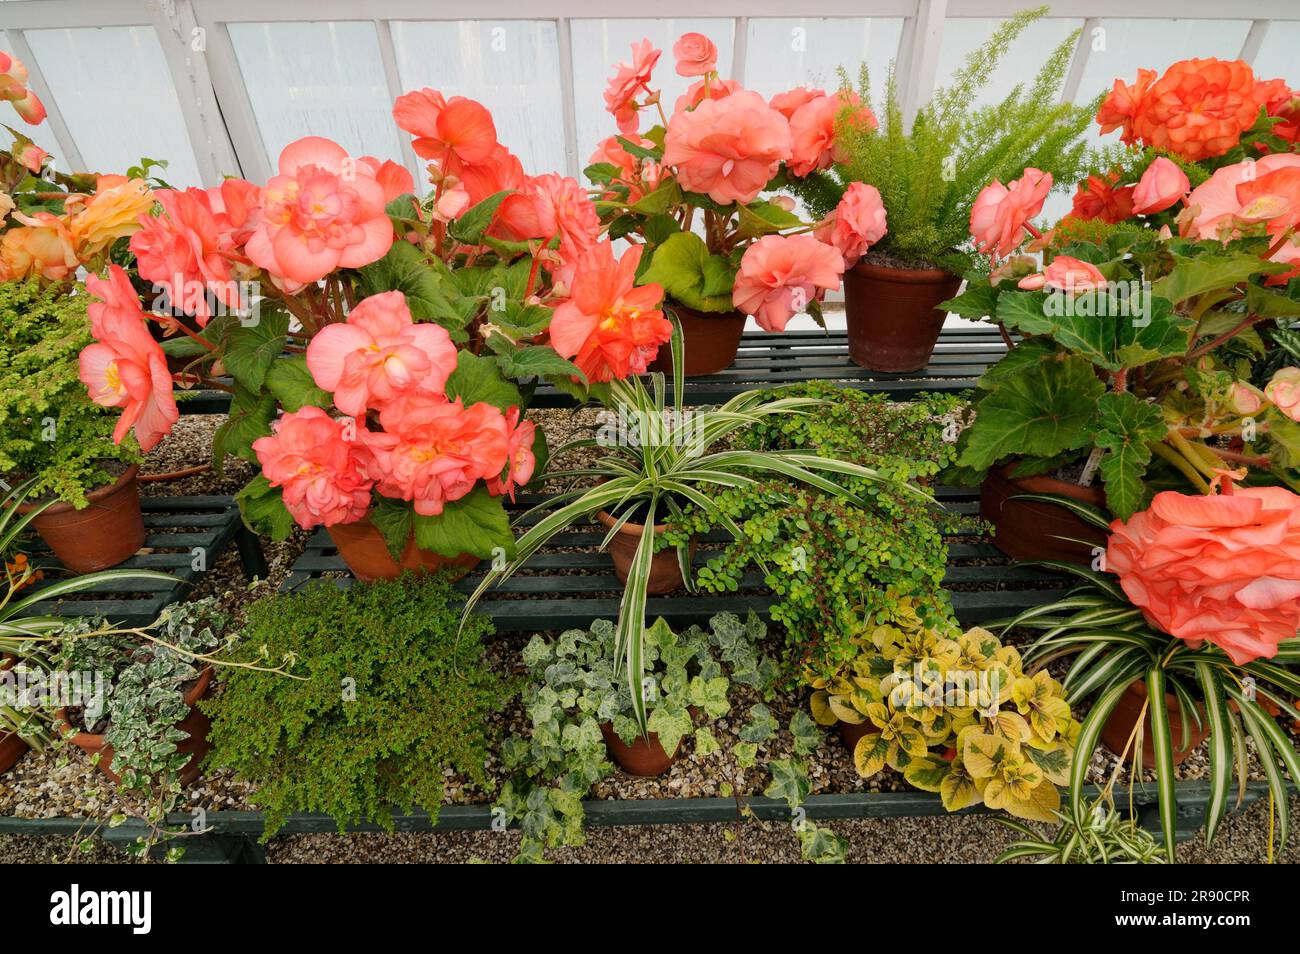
x=734, y=315
x=1094, y=494
x=96, y=495
x=631, y=528
x=95, y=740
x=904, y=276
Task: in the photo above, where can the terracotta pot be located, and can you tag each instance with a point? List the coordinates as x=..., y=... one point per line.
x=1032, y=530
x=893, y=315
x=850, y=733
x=1115, y=733
x=363, y=549
x=12, y=747
x=665, y=574
x=644, y=757
x=710, y=341
x=196, y=725
x=100, y=535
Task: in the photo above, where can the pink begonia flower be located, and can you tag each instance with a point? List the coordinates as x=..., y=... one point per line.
x=379, y=354
x=311, y=457
x=812, y=130
x=500, y=172
x=520, y=461
x=1067, y=274
x=1160, y=187
x=1000, y=213
x=1248, y=400
x=780, y=274
x=629, y=81
x=13, y=87
x=1283, y=389
x=394, y=178
x=32, y=156
x=727, y=148
x=610, y=327
x=184, y=252
x=695, y=55
x=547, y=206
x=236, y=207
x=324, y=210
x=453, y=132
x=709, y=88
x=125, y=367
x=1214, y=208
x=610, y=151
x=857, y=223
x=789, y=102
x=433, y=451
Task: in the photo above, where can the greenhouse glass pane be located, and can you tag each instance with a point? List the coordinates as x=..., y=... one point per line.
x=317, y=79
x=115, y=93
x=512, y=67
x=599, y=44
x=787, y=52
x=964, y=35
x=42, y=135
x=1277, y=54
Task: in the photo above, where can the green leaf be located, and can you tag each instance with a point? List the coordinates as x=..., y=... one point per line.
x=476, y=523
x=690, y=275
x=710, y=695
x=761, y=724
x=263, y=510
x=251, y=349
x=1194, y=276
x=671, y=723
x=763, y=218
x=537, y=361
x=479, y=379
x=663, y=198
x=1047, y=408
x=638, y=150
x=469, y=228
x=291, y=383
x=705, y=742
x=807, y=734
x=979, y=300
x=789, y=782
x=249, y=418
x=405, y=269
x=394, y=520
x=1126, y=428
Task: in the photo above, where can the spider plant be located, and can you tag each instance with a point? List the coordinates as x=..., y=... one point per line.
x=18, y=627
x=1113, y=646
x=1104, y=836
x=670, y=458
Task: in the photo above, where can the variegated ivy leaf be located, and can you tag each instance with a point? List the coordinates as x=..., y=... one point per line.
x=705, y=743
x=789, y=781
x=821, y=845
x=746, y=754
x=670, y=723
x=625, y=728
x=536, y=652
x=584, y=735
x=807, y=736
x=761, y=724
x=710, y=695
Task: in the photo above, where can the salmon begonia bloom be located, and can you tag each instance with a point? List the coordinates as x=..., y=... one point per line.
x=42, y=247
x=1283, y=389
x=317, y=468
x=696, y=55
x=520, y=461
x=324, y=210
x=789, y=102
x=705, y=89
x=433, y=451
x=1160, y=187
x=1121, y=105
x=13, y=87
x=455, y=132
x=610, y=151
x=780, y=274
x=812, y=130
x=379, y=354
x=500, y=172
x=547, y=206
x=184, y=252
x=727, y=148
x=1283, y=103
x=1000, y=213
x=125, y=367
x=857, y=223
x=1098, y=198
x=1222, y=568
x=1199, y=108
x=609, y=327
x=629, y=81
x=392, y=177
x=113, y=212
x=1221, y=205
x=236, y=208
x=32, y=156
x=1066, y=274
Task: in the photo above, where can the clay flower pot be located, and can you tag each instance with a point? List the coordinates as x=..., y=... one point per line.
x=850, y=733
x=196, y=725
x=665, y=575
x=12, y=746
x=644, y=757
x=1115, y=733
x=893, y=315
x=710, y=341
x=363, y=549
x=100, y=535
x=1032, y=530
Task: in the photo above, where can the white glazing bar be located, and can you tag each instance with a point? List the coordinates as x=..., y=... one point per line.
x=564, y=47
x=236, y=107
x=1080, y=62
x=739, y=48
x=923, y=64
x=1254, y=40
x=36, y=79
x=388, y=55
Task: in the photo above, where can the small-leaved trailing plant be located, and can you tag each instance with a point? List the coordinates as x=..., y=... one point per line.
x=50, y=431
x=383, y=701
x=955, y=713
x=574, y=687
x=930, y=170
x=661, y=459
x=1104, y=836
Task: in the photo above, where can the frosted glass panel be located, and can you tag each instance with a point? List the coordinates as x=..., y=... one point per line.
x=599, y=44
x=41, y=135
x=784, y=53
x=317, y=79
x=116, y=96
x=512, y=67
x=1277, y=54
x=964, y=35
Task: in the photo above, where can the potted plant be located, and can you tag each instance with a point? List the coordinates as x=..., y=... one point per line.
x=1103, y=836
x=658, y=458
x=385, y=706
x=687, y=192
x=928, y=171
x=1192, y=620
x=24, y=722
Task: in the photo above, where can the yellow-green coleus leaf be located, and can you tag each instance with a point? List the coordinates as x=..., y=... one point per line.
x=927, y=773
x=820, y=706
x=869, y=754
x=1053, y=759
